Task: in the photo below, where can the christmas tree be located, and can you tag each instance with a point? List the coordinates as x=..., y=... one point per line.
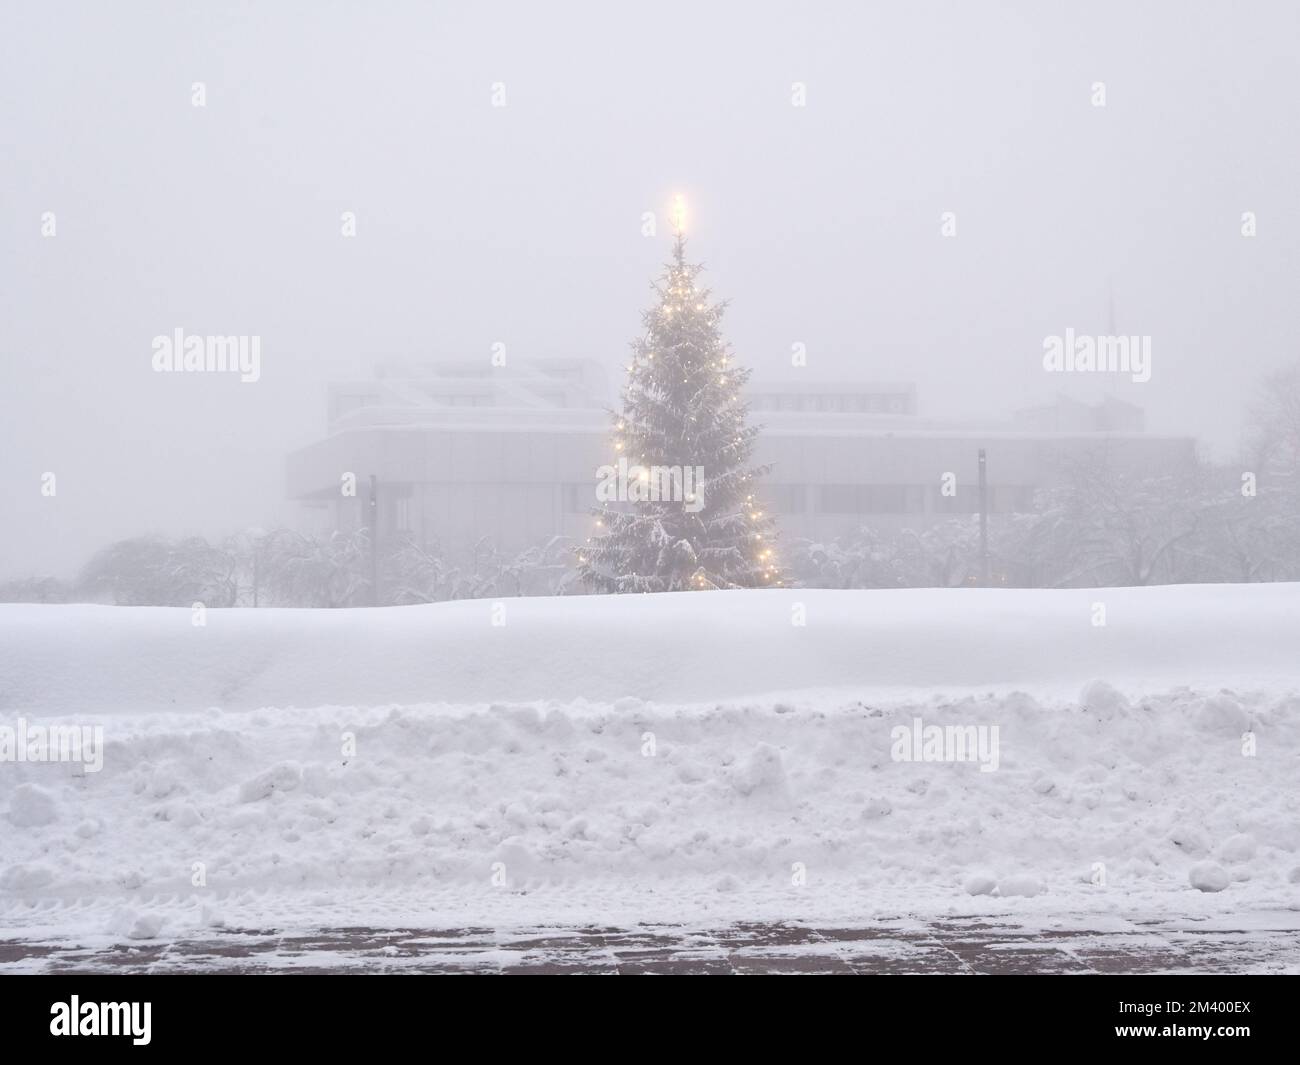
x=679, y=507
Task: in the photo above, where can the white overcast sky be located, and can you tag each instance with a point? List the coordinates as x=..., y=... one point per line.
x=522, y=224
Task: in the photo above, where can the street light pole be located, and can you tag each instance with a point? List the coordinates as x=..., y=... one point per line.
x=374, y=540
x=984, y=520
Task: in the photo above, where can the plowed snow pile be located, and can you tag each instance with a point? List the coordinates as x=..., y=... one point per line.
x=655, y=758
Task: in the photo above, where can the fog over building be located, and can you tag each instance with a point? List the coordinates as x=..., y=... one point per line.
x=464, y=450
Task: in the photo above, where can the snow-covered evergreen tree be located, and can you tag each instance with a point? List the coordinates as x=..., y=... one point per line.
x=682, y=411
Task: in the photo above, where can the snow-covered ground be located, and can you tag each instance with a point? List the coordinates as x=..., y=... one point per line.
x=655, y=759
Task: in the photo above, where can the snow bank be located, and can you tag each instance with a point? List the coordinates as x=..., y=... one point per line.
x=685, y=647
x=537, y=811
x=621, y=788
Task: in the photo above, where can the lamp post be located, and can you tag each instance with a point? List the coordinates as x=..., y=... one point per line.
x=984, y=520
x=374, y=540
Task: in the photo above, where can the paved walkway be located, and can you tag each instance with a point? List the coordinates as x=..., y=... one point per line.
x=942, y=946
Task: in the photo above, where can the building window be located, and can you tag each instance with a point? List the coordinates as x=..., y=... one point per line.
x=785, y=498
x=871, y=499
x=966, y=501
x=396, y=500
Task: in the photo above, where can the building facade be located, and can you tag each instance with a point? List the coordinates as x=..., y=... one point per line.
x=461, y=452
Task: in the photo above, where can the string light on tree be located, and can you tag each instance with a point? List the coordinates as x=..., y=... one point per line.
x=680, y=412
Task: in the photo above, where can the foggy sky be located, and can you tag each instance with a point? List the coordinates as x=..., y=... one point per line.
x=523, y=224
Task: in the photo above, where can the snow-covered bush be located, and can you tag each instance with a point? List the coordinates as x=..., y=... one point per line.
x=413, y=574
x=152, y=571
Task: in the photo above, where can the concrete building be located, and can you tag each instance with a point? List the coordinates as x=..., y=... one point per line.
x=466, y=451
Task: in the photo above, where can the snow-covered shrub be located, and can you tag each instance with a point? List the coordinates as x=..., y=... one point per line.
x=152, y=571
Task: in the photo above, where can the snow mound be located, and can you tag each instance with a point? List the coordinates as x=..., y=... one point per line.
x=1223, y=713
x=1208, y=876
x=689, y=647
x=877, y=807
x=135, y=924
x=31, y=806
x=341, y=793
x=1103, y=700
x=1024, y=886
x=517, y=801
x=283, y=777
x=1238, y=848
x=27, y=879
x=762, y=773
x=1190, y=840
